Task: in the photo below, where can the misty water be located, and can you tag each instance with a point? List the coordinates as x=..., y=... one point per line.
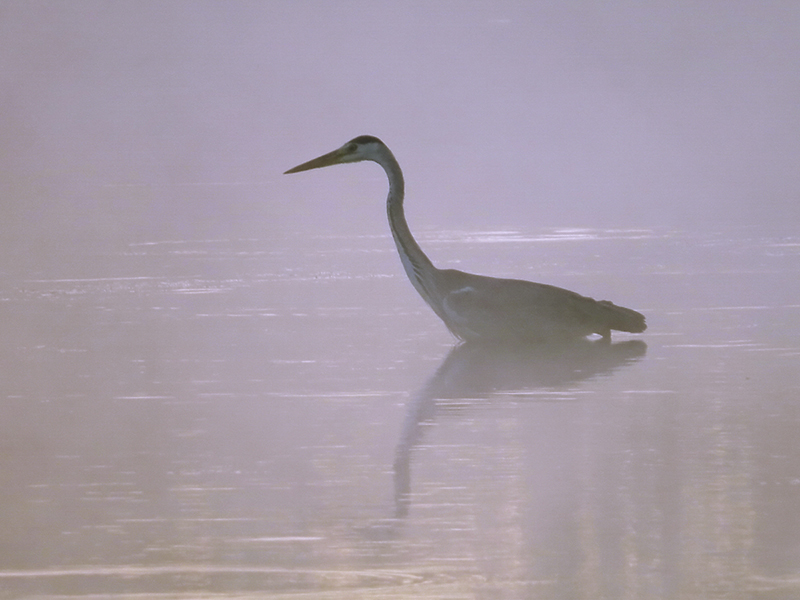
x=266, y=418
x=217, y=382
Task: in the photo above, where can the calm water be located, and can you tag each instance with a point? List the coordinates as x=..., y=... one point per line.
x=237, y=418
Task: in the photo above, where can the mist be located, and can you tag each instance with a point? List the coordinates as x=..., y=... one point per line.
x=136, y=121
x=217, y=378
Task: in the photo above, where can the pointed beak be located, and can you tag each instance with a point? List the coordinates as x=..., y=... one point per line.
x=331, y=158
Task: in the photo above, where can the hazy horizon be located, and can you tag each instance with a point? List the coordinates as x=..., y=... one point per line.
x=137, y=121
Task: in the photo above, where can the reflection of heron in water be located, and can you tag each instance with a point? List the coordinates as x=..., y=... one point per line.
x=473, y=371
x=475, y=307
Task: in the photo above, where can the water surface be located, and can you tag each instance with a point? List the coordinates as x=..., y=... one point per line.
x=236, y=417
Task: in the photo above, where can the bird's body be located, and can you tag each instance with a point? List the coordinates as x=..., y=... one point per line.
x=476, y=307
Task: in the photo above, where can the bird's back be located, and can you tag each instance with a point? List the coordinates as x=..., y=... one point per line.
x=476, y=307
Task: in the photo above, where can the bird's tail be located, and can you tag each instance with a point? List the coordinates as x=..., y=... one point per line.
x=620, y=318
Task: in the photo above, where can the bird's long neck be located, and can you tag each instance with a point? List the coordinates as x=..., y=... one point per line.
x=417, y=265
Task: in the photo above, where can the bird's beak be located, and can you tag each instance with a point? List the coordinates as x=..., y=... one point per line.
x=331, y=158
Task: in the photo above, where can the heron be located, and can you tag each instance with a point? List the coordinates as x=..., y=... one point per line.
x=477, y=307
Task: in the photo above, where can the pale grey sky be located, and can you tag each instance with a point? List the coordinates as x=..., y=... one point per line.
x=172, y=118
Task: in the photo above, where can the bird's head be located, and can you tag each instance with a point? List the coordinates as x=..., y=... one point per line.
x=364, y=147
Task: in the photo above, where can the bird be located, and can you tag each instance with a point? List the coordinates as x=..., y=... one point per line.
x=480, y=308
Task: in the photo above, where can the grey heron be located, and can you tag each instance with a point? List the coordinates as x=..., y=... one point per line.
x=477, y=307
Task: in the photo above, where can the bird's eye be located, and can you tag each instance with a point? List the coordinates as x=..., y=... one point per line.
x=352, y=148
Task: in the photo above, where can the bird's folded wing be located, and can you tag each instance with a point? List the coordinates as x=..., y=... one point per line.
x=489, y=307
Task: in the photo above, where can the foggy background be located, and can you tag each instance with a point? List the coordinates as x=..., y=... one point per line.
x=216, y=378
x=126, y=122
